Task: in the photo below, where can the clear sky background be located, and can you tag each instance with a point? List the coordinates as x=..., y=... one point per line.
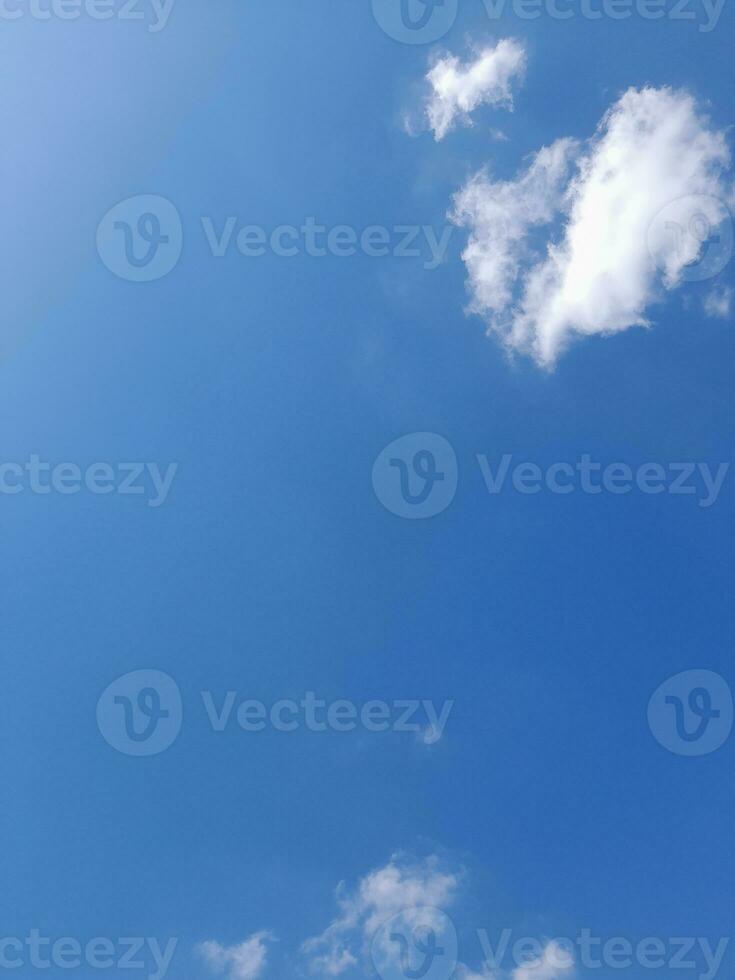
x=272, y=569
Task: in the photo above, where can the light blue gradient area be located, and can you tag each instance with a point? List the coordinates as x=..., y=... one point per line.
x=272, y=569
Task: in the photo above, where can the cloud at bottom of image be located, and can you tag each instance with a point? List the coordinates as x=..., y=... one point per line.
x=242, y=961
x=394, y=918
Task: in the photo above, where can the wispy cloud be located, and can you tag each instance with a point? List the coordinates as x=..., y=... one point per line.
x=407, y=897
x=399, y=886
x=718, y=302
x=554, y=963
x=609, y=261
x=457, y=88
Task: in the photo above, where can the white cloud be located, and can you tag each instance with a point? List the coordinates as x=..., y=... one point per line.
x=244, y=961
x=457, y=89
x=717, y=303
x=654, y=150
x=553, y=963
x=465, y=973
x=500, y=216
x=405, y=896
x=399, y=886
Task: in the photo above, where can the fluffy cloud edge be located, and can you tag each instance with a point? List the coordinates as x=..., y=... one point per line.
x=405, y=894
x=458, y=88
x=654, y=159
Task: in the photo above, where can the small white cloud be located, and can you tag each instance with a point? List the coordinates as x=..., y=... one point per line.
x=465, y=973
x=654, y=150
x=717, y=303
x=244, y=961
x=553, y=963
x=458, y=89
x=399, y=886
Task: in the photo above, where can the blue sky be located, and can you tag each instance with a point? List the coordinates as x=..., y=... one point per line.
x=272, y=568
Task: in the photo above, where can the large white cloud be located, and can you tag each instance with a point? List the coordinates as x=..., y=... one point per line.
x=653, y=162
x=457, y=89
